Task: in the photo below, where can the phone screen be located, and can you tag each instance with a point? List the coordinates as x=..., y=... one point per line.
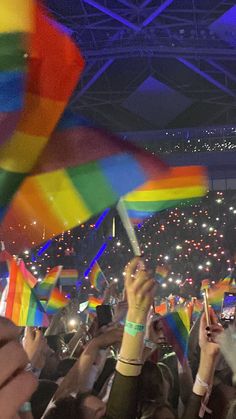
x=104, y=315
x=228, y=307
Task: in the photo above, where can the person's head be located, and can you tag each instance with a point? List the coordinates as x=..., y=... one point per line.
x=42, y=396
x=83, y=406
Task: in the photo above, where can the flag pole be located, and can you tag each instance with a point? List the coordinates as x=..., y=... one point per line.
x=128, y=227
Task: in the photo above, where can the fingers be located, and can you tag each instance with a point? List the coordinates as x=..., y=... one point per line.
x=8, y=330
x=131, y=268
x=213, y=316
x=16, y=392
x=12, y=358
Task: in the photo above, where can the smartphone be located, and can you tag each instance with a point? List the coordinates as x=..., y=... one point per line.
x=104, y=315
x=228, y=307
x=206, y=306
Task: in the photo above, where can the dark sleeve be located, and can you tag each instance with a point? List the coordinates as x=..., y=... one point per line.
x=122, y=402
x=192, y=407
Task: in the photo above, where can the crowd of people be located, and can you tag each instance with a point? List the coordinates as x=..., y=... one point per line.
x=121, y=370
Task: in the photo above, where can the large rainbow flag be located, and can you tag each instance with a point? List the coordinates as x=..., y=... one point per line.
x=180, y=185
x=52, y=55
x=97, y=278
x=176, y=326
x=44, y=289
x=91, y=171
x=15, y=27
x=21, y=304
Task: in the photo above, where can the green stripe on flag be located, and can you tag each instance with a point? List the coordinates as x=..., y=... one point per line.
x=93, y=187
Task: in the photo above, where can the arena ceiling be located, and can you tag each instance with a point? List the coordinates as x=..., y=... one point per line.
x=154, y=64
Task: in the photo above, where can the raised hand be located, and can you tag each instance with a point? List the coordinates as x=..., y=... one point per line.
x=16, y=385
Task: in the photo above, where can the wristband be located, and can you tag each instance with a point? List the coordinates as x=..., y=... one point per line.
x=133, y=328
x=26, y=407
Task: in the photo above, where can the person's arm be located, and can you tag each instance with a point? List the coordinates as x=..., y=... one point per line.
x=16, y=385
x=84, y=372
x=140, y=291
x=209, y=350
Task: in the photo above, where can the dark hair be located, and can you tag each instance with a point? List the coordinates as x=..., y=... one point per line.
x=42, y=396
x=69, y=408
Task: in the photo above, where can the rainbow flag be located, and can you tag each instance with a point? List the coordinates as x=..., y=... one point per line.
x=92, y=171
x=97, y=278
x=216, y=296
x=44, y=289
x=52, y=56
x=176, y=327
x=68, y=277
x=93, y=302
x=3, y=284
x=197, y=309
x=28, y=277
x=22, y=306
x=162, y=309
x=56, y=302
x=15, y=27
x=180, y=185
x=161, y=273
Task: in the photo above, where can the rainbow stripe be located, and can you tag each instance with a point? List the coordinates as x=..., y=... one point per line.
x=176, y=326
x=22, y=306
x=216, y=295
x=28, y=277
x=93, y=303
x=52, y=57
x=92, y=171
x=97, y=278
x=56, y=302
x=180, y=185
x=44, y=289
x=161, y=273
x=68, y=277
x=15, y=26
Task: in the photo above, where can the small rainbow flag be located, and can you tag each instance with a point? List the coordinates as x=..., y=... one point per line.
x=180, y=185
x=161, y=273
x=216, y=296
x=22, y=306
x=68, y=277
x=197, y=309
x=52, y=56
x=176, y=326
x=56, y=302
x=44, y=289
x=92, y=171
x=93, y=303
x=162, y=309
x=97, y=278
